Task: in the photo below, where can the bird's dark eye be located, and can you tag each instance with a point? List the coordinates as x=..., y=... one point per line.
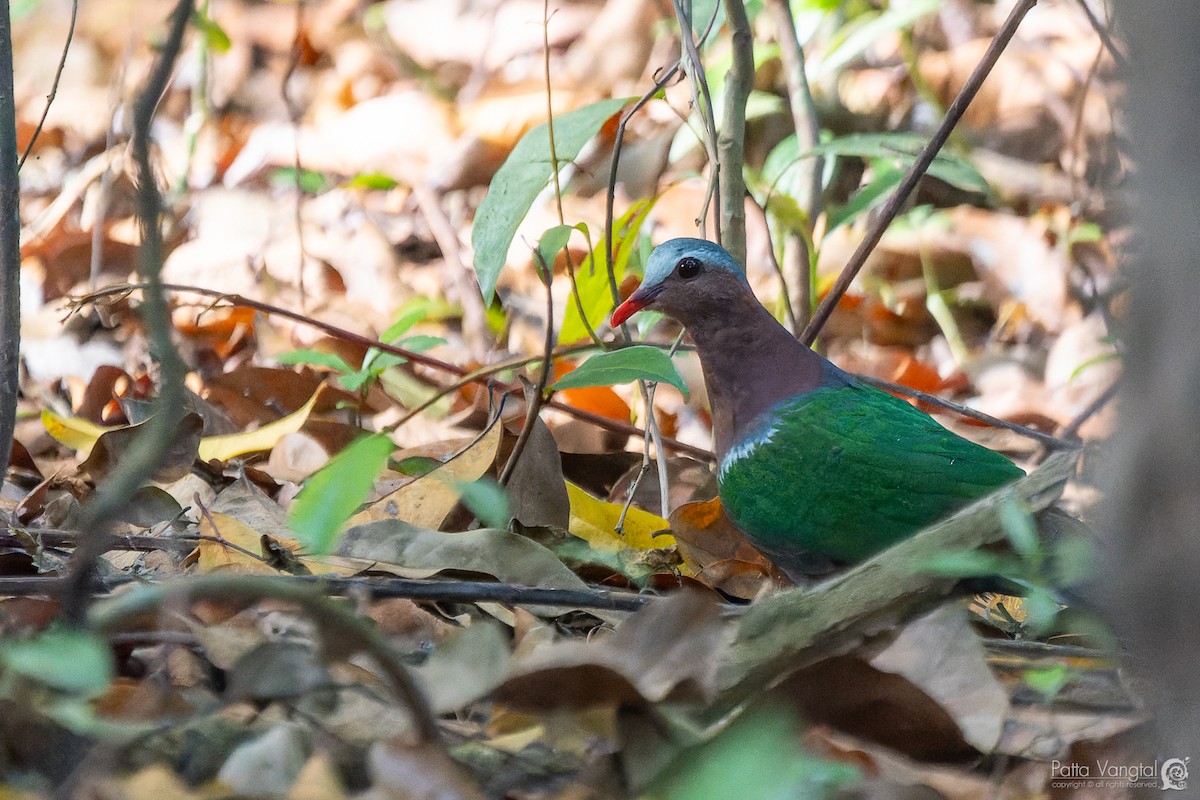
x=688, y=268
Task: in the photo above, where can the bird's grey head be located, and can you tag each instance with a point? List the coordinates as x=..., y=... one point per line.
x=669, y=257
x=684, y=279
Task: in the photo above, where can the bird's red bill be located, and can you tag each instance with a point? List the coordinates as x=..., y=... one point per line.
x=627, y=310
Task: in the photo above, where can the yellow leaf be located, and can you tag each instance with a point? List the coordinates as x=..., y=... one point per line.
x=81, y=435
x=595, y=521
x=219, y=556
x=426, y=501
x=223, y=448
x=74, y=432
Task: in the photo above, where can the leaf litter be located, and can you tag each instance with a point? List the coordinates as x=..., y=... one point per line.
x=727, y=678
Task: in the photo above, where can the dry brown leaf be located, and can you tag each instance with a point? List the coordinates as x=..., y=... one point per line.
x=426, y=501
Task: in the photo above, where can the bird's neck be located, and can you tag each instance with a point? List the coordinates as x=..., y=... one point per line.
x=751, y=363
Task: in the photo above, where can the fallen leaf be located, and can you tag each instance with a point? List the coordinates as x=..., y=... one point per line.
x=426, y=501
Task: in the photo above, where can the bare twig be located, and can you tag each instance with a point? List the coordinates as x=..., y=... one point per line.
x=462, y=280
x=693, y=67
x=618, y=146
x=198, y=115
x=894, y=203
x=294, y=114
x=146, y=452
x=535, y=395
x=10, y=248
x=800, y=98
x=1071, y=429
x=58, y=71
x=797, y=255
x=381, y=587
x=788, y=309
x=480, y=376
x=15, y=537
x=1045, y=439
x=341, y=630
x=1104, y=35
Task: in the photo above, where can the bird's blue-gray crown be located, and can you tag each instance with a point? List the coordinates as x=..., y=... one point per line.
x=666, y=257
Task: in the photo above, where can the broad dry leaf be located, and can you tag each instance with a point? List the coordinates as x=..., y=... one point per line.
x=669, y=650
x=595, y=521
x=940, y=654
x=75, y=432
x=426, y=501
x=223, y=448
x=717, y=554
x=214, y=555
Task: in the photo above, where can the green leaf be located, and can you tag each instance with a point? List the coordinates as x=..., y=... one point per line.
x=552, y=241
x=970, y=564
x=307, y=180
x=519, y=181
x=904, y=148
x=372, y=181
x=355, y=381
x=317, y=358
x=416, y=466
x=622, y=366
x=62, y=657
x=866, y=197
x=487, y=500
x=335, y=491
x=414, y=311
x=1049, y=681
x=1085, y=232
x=1020, y=528
x=215, y=38
x=419, y=343
x=595, y=294
x=757, y=757
x=860, y=35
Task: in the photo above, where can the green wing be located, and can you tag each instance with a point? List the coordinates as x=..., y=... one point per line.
x=846, y=471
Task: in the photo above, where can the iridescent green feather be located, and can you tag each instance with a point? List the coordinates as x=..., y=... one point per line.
x=846, y=471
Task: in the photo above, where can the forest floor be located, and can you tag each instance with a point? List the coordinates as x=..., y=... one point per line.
x=434, y=617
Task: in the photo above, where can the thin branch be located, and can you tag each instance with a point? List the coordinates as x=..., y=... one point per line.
x=797, y=254
x=788, y=309
x=466, y=377
x=1071, y=429
x=294, y=115
x=1105, y=37
x=387, y=587
x=1052, y=442
x=147, y=451
x=462, y=280
x=21, y=538
x=894, y=203
x=701, y=102
x=340, y=629
x=535, y=395
x=618, y=145
x=10, y=248
x=198, y=115
x=800, y=98
x=62, y=63
x=576, y=299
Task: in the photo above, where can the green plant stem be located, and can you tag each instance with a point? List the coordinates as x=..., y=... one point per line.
x=148, y=450
x=342, y=632
x=731, y=140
